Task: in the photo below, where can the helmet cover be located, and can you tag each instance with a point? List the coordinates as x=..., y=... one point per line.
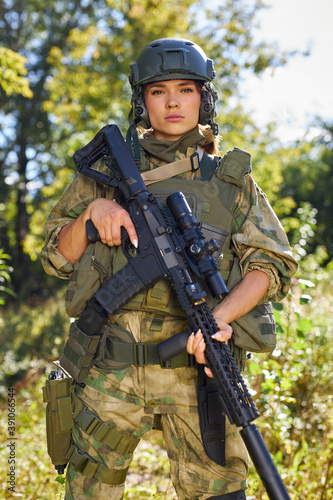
x=172, y=59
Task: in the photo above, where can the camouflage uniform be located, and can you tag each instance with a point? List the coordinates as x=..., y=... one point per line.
x=129, y=398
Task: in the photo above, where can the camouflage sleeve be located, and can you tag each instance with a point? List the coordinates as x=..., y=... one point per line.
x=260, y=241
x=80, y=192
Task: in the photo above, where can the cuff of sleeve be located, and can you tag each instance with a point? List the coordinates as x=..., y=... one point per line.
x=58, y=261
x=273, y=293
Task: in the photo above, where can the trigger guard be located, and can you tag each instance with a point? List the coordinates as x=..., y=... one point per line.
x=129, y=249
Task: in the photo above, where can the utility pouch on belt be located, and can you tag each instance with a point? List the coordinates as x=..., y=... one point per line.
x=79, y=353
x=57, y=393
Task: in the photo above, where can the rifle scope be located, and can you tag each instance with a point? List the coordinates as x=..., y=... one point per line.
x=197, y=249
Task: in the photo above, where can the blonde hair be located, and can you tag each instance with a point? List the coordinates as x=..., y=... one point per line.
x=212, y=143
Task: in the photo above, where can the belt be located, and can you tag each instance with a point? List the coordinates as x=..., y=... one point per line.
x=143, y=354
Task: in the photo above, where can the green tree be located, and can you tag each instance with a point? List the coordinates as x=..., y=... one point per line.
x=12, y=73
x=78, y=57
x=32, y=146
x=13, y=81
x=308, y=177
x=30, y=29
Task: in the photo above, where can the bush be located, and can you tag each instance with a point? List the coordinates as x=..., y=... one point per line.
x=294, y=392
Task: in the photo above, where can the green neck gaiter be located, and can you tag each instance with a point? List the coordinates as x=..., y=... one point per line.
x=166, y=150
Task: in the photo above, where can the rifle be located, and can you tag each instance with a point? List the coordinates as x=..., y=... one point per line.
x=180, y=254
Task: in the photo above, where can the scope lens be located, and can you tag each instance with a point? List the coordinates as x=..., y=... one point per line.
x=181, y=211
x=178, y=205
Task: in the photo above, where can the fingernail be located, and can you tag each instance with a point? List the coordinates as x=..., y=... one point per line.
x=217, y=336
x=135, y=243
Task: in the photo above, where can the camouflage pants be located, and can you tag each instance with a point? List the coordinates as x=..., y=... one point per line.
x=193, y=474
x=129, y=399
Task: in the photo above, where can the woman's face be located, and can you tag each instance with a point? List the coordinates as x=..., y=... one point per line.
x=173, y=107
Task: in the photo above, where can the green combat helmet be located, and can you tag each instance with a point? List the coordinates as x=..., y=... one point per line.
x=172, y=59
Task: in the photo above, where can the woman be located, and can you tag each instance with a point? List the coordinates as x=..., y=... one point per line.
x=174, y=100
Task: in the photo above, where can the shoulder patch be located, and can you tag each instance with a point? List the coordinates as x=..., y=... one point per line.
x=234, y=166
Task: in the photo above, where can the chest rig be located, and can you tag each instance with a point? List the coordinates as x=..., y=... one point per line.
x=211, y=193
x=210, y=187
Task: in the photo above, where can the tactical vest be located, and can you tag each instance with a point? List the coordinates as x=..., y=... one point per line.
x=211, y=201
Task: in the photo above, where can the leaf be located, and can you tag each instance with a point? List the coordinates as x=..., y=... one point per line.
x=277, y=316
x=305, y=299
x=61, y=479
x=305, y=325
x=254, y=368
x=307, y=283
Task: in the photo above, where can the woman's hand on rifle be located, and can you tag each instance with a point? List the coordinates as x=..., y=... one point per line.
x=196, y=344
x=107, y=216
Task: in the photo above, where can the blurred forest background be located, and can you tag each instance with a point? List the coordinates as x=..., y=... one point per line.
x=63, y=75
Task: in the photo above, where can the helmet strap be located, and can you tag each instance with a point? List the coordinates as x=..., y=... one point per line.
x=132, y=141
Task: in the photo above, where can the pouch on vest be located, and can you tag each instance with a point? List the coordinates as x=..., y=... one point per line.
x=256, y=330
x=59, y=422
x=90, y=272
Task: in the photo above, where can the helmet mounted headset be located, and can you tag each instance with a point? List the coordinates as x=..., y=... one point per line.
x=172, y=59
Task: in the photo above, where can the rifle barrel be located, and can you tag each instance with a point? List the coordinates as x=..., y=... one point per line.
x=263, y=463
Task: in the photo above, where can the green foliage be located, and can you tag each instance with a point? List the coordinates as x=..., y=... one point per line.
x=94, y=63
x=31, y=29
x=34, y=241
x=34, y=472
x=5, y=270
x=13, y=73
x=238, y=129
x=35, y=332
x=308, y=177
x=294, y=388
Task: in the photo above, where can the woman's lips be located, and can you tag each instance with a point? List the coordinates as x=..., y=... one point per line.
x=174, y=118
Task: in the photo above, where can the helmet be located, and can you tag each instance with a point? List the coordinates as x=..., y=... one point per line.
x=172, y=59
